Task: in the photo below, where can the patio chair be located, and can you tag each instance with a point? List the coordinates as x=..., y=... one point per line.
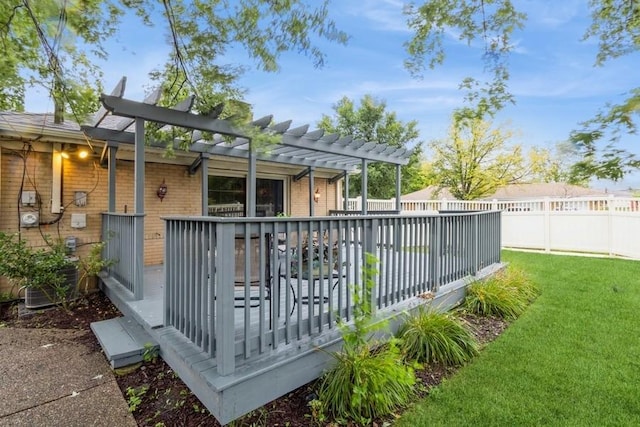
x=254, y=270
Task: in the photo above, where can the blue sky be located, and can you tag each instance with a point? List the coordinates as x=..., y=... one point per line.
x=552, y=73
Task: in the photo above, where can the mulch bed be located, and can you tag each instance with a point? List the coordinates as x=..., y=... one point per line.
x=165, y=400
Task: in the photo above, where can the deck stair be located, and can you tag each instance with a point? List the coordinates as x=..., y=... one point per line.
x=123, y=340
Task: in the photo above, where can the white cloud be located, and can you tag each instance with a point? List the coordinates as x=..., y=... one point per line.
x=385, y=14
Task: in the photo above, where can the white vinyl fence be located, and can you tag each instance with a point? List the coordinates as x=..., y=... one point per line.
x=606, y=225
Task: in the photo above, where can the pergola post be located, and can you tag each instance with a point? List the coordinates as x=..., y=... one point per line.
x=311, y=185
x=364, y=186
x=345, y=192
x=251, y=182
x=138, y=220
x=398, y=187
x=204, y=182
x=111, y=179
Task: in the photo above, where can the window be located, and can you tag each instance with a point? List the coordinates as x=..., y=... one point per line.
x=227, y=195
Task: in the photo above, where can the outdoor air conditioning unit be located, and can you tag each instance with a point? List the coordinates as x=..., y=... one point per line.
x=39, y=298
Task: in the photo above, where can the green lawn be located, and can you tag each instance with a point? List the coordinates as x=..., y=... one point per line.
x=572, y=359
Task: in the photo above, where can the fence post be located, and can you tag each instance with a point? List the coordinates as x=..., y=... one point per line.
x=225, y=272
x=610, y=213
x=547, y=225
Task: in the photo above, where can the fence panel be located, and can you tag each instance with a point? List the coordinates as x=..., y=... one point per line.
x=581, y=224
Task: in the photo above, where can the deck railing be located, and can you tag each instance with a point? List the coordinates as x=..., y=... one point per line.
x=118, y=231
x=237, y=302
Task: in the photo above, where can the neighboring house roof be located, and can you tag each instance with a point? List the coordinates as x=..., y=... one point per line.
x=513, y=192
x=533, y=191
x=429, y=193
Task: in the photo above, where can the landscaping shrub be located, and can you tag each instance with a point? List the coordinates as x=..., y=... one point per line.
x=369, y=379
x=430, y=336
x=366, y=384
x=518, y=279
x=505, y=295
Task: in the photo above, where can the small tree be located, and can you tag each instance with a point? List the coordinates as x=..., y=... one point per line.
x=371, y=122
x=475, y=160
x=369, y=378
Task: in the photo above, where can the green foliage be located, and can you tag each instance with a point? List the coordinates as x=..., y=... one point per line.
x=371, y=122
x=365, y=385
x=475, y=160
x=134, y=396
x=489, y=22
x=368, y=380
x=92, y=264
x=556, y=165
x=54, y=44
x=492, y=23
x=430, y=336
x=357, y=335
x=505, y=294
x=52, y=47
x=150, y=353
x=40, y=268
x=607, y=127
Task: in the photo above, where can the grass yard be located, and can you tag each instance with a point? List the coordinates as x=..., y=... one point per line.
x=572, y=359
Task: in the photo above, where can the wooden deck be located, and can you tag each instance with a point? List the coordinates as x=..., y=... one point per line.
x=236, y=359
x=257, y=381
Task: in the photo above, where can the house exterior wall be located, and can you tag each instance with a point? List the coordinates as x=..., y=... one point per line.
x=183, y=198
x=299, y=200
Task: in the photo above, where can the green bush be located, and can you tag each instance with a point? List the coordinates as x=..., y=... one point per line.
x=369, y=379
x=430, y=336
x=40, y=268
x=366, y=384
x=505, y=295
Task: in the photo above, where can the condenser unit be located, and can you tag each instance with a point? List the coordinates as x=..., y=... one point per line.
x=44, y=297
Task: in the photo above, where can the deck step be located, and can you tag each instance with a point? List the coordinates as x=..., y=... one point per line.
x=123, y=340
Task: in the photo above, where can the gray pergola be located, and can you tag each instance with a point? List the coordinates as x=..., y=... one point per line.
x=296, y=146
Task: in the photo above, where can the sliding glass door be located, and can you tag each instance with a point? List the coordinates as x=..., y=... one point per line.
x=227, y=196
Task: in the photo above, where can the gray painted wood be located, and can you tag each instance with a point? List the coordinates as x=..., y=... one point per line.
x=123, y=340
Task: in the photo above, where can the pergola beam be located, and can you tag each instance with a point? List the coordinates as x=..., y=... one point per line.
x=302, y=174
x=127, y=108
x=293, y=140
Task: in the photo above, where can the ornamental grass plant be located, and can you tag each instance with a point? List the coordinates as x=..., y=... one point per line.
x=506, y=294
x=430, y=336
x=369, y=379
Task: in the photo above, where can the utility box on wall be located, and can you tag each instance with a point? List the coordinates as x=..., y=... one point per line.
x=29, y=219
x=78, y=220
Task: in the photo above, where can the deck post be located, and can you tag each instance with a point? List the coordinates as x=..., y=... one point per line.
x=435, y=242
x=370, y=245
x=225, y=272
x=138, y=222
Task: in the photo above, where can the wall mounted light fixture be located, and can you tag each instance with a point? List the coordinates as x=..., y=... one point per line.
x=73, y=150
x=162, y=191
x=316, y=195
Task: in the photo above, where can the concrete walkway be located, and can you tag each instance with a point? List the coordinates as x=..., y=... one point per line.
x=50, y=377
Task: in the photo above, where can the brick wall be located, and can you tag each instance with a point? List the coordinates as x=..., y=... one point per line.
x=300, y=197
x=33, y=172
x=183, y=198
